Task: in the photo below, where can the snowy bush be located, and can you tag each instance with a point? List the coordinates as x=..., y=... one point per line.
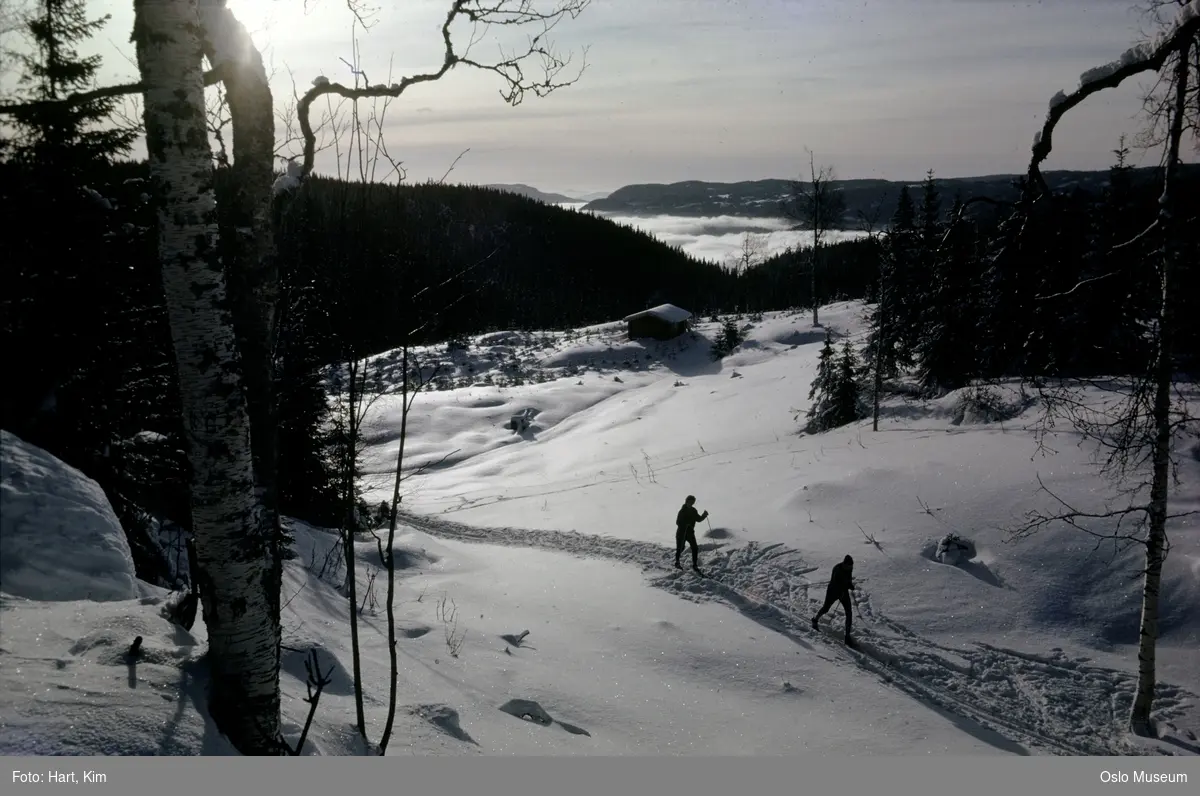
x=522, y=420
x=953, y=549
x=728, y=338
x=986, y=404
x=59, y=536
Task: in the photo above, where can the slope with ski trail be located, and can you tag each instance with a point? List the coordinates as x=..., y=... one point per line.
x=1052, y=703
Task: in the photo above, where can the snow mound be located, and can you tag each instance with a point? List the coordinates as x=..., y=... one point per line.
x=984, y=403
x=59, y=537
x=952, y=548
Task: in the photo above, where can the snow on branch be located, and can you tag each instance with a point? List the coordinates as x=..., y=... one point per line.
x=1150, y=56
x=481, y=14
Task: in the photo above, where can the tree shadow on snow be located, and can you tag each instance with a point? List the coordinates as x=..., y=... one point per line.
x=972, y=567
x=531, y=711
x=1188, y=747
x=293, y=660
x=798, y=337
x=193, y=695
x=981, y=571
x=687, y=356
x=976, y=730
x=446, y=719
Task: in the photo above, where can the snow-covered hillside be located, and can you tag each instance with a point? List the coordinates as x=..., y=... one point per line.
x=565, y=530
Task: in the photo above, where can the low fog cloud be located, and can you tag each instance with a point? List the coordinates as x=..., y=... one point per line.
x=719, y=239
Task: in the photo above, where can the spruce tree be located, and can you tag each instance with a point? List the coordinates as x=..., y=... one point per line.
x=822, y=386
x=71, y=137
x=846, y=389
x=729, y=338
x=946, y=348
x=308, y=473
x=1121, y=292
x=91, y=375
x=834, y=392
x=931, y=211
x=897, y=301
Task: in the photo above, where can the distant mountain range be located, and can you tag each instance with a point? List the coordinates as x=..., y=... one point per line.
x=543, y=196
x=762, y=198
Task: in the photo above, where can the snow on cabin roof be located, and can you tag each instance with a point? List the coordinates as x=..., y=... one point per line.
x=667, y=312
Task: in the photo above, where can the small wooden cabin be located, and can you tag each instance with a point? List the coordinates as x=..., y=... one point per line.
x=664, y=322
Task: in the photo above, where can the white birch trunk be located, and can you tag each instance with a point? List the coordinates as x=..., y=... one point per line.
x=1140, y=717
x=233, y=542
x=247, y=240
x=254, y=279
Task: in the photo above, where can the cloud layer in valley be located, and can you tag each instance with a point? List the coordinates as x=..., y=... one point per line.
x=720, y=239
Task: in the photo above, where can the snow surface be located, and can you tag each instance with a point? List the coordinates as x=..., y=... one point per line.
x=564, y=530
x=59, y=537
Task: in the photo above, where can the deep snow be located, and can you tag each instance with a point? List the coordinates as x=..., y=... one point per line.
x=564, y=530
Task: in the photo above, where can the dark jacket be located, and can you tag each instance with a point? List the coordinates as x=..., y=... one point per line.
x=687, y=518
x=840, y=580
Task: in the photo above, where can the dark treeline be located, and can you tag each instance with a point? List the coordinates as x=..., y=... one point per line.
x=1067, y=288
x=454, y=260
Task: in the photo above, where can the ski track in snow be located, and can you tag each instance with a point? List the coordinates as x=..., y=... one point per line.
x=1053, y=703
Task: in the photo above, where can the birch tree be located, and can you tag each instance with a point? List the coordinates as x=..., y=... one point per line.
x=817, y=206
x=234, y=541
x=248, y=245
x=222, y=290
x=1140, y=434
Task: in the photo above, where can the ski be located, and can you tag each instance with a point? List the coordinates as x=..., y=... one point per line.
x=840, y=635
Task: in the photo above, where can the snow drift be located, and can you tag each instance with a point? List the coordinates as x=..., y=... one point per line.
x=59, y=537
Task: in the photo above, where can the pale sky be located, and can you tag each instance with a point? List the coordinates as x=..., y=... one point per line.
x=728, y=89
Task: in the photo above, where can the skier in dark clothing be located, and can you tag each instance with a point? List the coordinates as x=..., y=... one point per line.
x=685, y=531
x=841, y=583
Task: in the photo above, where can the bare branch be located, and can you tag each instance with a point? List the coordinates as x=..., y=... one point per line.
x=316, y=683
x=452, y=165
x=1078, y=285
x=961, y=213
x=872, y=540
x=1145, y=232
x=211, y=78
x=925, y=507
x=1078, y=519
x=430, y=465
x=510, y=68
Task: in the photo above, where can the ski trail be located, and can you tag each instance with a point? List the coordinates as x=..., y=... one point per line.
x=1052, y=703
